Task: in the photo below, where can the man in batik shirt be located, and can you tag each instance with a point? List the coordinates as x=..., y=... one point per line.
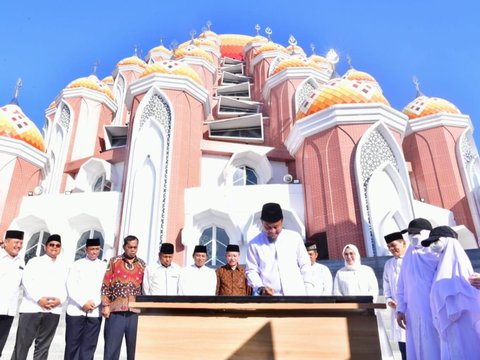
x=231, y=279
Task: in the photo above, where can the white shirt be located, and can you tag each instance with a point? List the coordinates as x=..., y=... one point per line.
x=43, y=277
x=283, y=264
x=322, y=280
x=84, y=283
x=197, y=281
x=357, y=281
x=161, y=280
x=11, y=269
x=391, y=272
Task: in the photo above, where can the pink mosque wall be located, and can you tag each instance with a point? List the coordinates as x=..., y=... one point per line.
x=435, y=173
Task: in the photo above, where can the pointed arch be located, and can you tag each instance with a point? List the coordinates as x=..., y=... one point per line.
x=467, y=156
x=275, y=63
x=304, y=90
x=380, y=169
x=146, y=200
x=251, y=159
x=119, y=91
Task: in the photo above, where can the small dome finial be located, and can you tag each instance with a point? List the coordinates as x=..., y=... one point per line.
x=312, y=46
x=173, y=47
x=349, y=61
x=95, y=67
x=161, y=40
x=135, y=50
x=193, y=32
x=416, y=82
x=268, y=31
x=257, y=29
x=18, y=86
x=209, y=25
x=332, y=56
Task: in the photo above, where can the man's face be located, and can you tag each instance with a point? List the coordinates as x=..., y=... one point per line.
x=313, y=256
x=350, y=256
x=130, y=249
x=199, y=259
x=232, y=258
x=397, y=247
x=272, y=229
x=53, y=249
x=92, y=252
x=13, y=246
x=165, y=259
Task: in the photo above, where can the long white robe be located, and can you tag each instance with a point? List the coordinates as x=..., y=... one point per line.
x=391, y=272
x=84, y=283
x=322, y=280
x=456, y=305
x=197, y=281
x=283, y=264
x=161, y=280
x=360, y=280
x=11, y=270
x=413, y=293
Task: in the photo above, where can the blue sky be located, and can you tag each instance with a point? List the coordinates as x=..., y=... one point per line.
x=49, y=43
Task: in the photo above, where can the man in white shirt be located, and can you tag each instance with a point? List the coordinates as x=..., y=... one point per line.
x=277, y=261
x=321, y=275
x=161, y=278
x=197, y=279
x=83, y=318
x=397, y=246
x=43, y=294
x=11, y=269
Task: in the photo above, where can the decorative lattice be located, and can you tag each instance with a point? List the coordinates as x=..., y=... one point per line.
x=304, y=92
x=468, y=150
x=64, y=120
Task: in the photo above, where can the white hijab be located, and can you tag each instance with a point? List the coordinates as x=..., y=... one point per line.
x=357, y=262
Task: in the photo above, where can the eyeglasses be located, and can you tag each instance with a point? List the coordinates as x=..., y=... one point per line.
x=54, y=245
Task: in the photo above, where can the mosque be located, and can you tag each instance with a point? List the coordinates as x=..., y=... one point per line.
x=186, y=145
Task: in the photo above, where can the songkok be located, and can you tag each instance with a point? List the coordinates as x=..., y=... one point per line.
x=438, y=232
x=392, y=237
x=54, y=237
x=92, y=242
x=271, y=212
x=233, y=247
x=311, y=246
x=166, y=248
x=417, y=225
x=14, y=234
x=200, y=249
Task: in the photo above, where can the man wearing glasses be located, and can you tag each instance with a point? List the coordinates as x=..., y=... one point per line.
x=44, y=292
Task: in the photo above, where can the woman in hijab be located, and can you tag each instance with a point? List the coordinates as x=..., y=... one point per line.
x=355, y=278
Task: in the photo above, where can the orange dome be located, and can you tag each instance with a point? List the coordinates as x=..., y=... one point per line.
x=270, y=46
x=258, y=39
x=14, y=124
x=295, y=62
x=91, y=83
x=192, y=50
x=424, y=106
x=132, y=60
x=108, y=80
x=232, y=45
x=202, y=43
x=294, y=49
x=172, y=67
x=353, y=74
x=160, y=49
x=341, y=91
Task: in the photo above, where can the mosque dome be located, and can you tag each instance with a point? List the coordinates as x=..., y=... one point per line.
x=353, y=74
x=16, y=125
x=232, y=45
x=91, y=82
x=295, y=62
x=132, y=60
x=295, y=50
x=172, y=67
x=424, y=106
x=340, y=91
x=108, y=80
x=258, y=39
x=195, y=51
x=270, y=46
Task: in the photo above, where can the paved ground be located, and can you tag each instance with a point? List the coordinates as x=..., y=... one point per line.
x=58, y=344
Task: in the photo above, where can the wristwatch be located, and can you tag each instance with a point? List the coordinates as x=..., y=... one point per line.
x=260, y=290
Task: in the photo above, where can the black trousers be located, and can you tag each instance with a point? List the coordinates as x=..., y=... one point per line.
x=40, y=327
x=5, y=325
x=81, y=337
x=120, y=323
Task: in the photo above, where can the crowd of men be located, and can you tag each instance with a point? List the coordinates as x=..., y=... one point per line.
x=435, y=278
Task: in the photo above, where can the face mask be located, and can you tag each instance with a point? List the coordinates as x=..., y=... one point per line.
x=438, y=246
x=415, y=240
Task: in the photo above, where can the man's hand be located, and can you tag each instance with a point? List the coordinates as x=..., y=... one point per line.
x=392, y=303
x=267, y=291
x=48, y=303
x=401, y=320
x=106, y=311
x=89, y=306
x=475, y=280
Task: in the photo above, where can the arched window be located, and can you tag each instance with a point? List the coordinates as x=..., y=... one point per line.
x=245, y=175
x=35, y=245
x=89, y=234
x=99, y=183
x=216, y=241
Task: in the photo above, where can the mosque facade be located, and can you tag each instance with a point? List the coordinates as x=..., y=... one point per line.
x=186, y=145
